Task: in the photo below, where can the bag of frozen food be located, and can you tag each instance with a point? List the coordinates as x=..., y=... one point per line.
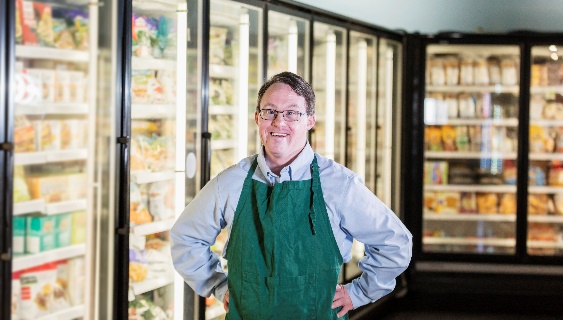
x=537, y=204
x=143, y=308
x=161, y=200
x=509, y=71
x=21, y=191
x=141, y=42
x=40, y=292
x=451, y=65
x=468, y=202
x=137, y=265
x=487, y=203
x=24, y=135
x=466, y=70
x=493, y=65
x=449, y=138
x=481, y=72
x=508, y=204
x=138, y=210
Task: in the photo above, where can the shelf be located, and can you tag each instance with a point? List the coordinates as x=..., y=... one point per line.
x=156, y=5
x=43, y=157
x=478, y=89
x=31, y=52
x=222, y=144
x=545, y=189
x=214, y=311
x=466, y=49
x=152, y=227
x=545, y=219
x=220, y=71
x=509, y=122
x=470, y=217
x=142, y=177
x=151, y=284
x=546, y=122
x=546, y=89
x=469, y=155
x=66, y=314
x=49, y=108
x=31, y=206
x=545, y=244
x=32, y=260
x=66, y=206
x=497, y=242
x=149, y=63
x=546, y=156
x=471, y=188
x=222, y=110
x=153, y=111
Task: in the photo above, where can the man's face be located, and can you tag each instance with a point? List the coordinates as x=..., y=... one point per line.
x=282, y=139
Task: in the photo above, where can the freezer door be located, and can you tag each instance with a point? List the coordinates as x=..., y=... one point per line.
x=362, y=113
x=471, y=113
x=545, y=171
x=55, y=155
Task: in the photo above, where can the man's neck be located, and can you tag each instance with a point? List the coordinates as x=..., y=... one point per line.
x=276, y=165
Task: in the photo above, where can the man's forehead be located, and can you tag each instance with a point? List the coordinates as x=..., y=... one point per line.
x=277, y=107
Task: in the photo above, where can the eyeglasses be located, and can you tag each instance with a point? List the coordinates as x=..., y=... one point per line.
x=288, y=115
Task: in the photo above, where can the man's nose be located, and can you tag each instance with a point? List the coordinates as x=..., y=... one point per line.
x=278, y=116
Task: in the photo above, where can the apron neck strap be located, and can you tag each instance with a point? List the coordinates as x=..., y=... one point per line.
x=315, y=174
x=248, y=179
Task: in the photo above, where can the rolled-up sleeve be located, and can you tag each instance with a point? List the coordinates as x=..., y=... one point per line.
x=192, y=236
x=388, y=243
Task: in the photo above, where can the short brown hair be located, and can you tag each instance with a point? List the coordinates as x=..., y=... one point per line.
x=297, y=84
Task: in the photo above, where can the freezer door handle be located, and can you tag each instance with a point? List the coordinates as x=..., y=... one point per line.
x=6, y=256
x=123, y=231
x=6, y=146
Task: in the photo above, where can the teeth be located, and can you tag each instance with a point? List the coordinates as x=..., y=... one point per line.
x=278, y=134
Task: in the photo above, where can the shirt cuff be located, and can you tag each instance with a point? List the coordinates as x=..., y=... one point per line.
x=356, y=295
x=220, y=291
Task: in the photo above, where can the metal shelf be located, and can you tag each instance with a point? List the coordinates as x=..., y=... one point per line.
x=39, y=206
x=471, y=188
x=497, y=242
x=470, y=217
x=545, y=219
x=222, y=144
x=545, y=189
x=545, y=244
x=152, y=111
x=151, y=284
x=469, y=155
x=469, y=88
x=32, y=260
x=52, y=108
x=546, y=156
x=142, y=177
x=509, y=122
x=546, y=89
x=66, y=314
x=220, y=71
x=31, y=52
x=149, y=63
x=152, y=227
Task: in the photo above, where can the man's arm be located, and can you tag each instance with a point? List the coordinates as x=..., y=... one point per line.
x=388, y=243
x=192, y=236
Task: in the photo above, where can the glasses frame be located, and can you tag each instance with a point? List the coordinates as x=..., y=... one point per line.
x=282, y=113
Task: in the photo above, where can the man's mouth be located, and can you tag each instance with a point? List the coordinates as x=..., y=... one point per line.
x=276, y=134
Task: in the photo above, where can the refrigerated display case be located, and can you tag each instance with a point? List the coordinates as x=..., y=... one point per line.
x=471, y=143
x=288, y=44
x=328, y=136
x=158, y=156
x=545, y=192
x=54, y=108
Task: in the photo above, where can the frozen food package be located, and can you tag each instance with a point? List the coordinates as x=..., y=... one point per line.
x=508, y=204
x=140, y=85
x=48, y=135
x=76, y=279
x=435, y=172
x=468, y=202
x=559, y=140
x=437, y=71
x=537, y=102
x=558, y=202
x=466, y=104
x=555, y=176
x=537, y=174
x=538, y=76
x=73, y=134
x=139, y=213
x=28, y=23
x=161, y=200
x=451, y=65
x=27, y=88
x=62, y=30
x=49, y=188
x=452, y=105
x=449, y=138
x=430, y=201
x=552, y=73
x=77, y=86
x=537, y=204
x=15, y=305
x=21, y=191
x=466, y=70
x=462, y=138
x=19, y=225
x=141, y=36
x=80, y=29
x=18, y=31
x=24, y=135
x=46, y=79
x=44, y=19
x=451, y=202
x=217, y=45
x=487, y=203
x=475, y=138
x=40, y=233
x=481, y=72
x=493, y=65
x=38, y=289
x=509, y=71
x=62, y=87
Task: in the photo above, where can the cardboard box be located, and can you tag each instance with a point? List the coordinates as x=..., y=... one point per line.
x=40, y=233
x=63, y=227
x=19, y=224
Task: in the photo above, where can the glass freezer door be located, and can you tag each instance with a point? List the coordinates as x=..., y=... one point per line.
x=54, y=95
x=362, y=121
x=545, y=187
x=329, y=82
x=470, y=141
x=288, y=44
x=161, y=122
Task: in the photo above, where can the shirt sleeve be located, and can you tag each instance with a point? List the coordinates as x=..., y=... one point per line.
x=192, y=236
x=388, y=243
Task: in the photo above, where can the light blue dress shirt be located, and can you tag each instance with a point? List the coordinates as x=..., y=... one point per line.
x=354, y=212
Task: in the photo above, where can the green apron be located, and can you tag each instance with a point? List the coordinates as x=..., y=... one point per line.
x=283, y=259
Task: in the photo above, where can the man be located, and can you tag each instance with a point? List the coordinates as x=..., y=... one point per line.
x=291, y=216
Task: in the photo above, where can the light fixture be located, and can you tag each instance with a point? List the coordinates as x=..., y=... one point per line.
x=553, y=48
x=554, y=56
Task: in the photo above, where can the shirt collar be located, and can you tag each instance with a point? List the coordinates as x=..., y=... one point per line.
x=301, y=163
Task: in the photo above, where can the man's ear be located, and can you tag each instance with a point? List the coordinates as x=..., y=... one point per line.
x=256, y=117
x=311, y=120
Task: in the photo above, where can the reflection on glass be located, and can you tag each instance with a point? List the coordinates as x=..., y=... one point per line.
x=545, y=181
x=471, y=117
x=329, y=83
x=288, y=44
x=362, y=117
x=388, y=113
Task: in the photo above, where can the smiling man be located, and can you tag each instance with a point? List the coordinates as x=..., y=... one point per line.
x=292, y=216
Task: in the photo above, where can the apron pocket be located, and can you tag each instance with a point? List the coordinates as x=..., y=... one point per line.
x=295, y=297
x=254, y=296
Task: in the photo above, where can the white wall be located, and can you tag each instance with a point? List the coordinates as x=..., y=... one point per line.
x=431, y=16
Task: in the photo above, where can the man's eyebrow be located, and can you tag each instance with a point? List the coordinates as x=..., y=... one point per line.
x=271, y=105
